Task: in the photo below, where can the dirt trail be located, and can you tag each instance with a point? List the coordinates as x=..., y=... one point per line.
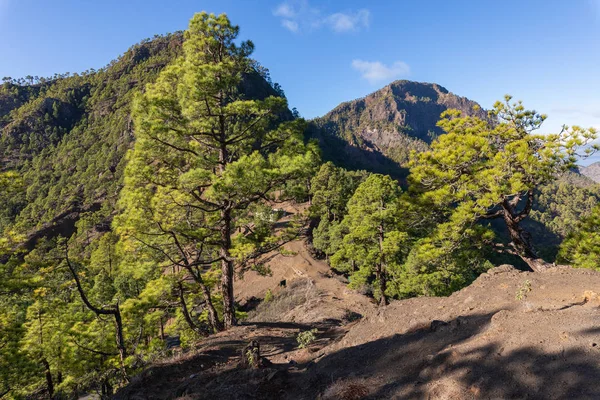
x=298, y=263
x=510, y=334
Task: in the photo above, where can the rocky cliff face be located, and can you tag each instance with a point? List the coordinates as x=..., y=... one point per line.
x=592, y=171
x=379, y=130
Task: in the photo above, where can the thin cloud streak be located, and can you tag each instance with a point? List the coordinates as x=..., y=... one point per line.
x=299, y=15
x=376, y=71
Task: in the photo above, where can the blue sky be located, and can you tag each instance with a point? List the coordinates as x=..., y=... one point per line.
x=545, y=52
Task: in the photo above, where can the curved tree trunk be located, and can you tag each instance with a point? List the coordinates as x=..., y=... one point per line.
x=521, y=239
x=213, y=317
x=114, y=311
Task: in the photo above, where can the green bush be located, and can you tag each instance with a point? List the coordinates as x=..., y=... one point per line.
x=305, y=338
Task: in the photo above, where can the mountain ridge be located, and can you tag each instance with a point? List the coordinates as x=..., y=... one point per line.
x=67, y=136
x=382, y=127
x=591, y=171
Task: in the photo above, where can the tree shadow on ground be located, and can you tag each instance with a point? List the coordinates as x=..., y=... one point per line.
x=426, y=364
x=440, y=360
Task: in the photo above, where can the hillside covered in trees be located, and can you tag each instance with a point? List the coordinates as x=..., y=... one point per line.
x=137, y=198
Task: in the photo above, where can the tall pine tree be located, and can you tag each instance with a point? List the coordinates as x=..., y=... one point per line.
x=373, y=246
x=207, y=161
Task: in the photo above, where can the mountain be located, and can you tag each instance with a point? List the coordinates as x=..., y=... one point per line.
x=378, y=131
x=67, y=136
x=592, y=171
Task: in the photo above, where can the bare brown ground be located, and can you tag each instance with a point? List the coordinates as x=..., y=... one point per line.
x=510, y=334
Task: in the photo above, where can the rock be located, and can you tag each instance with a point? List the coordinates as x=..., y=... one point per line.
x=501, y=269
x=436, y=325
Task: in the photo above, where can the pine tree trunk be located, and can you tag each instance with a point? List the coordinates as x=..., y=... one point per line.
x=120, y=340
x=226, y=262
x=521, y=243
x=229, y=319
x=380, y=274
x=186, y=313
x=213, y=317
x=114, y=311
x=48, y=373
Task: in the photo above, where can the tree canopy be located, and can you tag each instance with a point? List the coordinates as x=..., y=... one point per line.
x=208, y=160
x=376, y=237
x=484, y=169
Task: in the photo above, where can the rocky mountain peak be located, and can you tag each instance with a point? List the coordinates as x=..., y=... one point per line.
x=380, y=129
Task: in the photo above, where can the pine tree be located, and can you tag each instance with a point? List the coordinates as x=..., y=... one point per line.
x=331, y=189
x=207, y=159
x=484, y=169
x=374, y=244
x=581, y=248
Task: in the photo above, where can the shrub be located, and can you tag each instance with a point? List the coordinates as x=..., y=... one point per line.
x=268, y=296
x=523, y=290
x=305, y=338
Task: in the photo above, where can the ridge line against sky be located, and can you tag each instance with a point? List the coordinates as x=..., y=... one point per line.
x=546, y=53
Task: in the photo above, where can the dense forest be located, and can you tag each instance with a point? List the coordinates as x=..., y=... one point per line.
x=134, y=198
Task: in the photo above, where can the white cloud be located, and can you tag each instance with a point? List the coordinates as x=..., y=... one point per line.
x=284, y=10
x=375, y=71
x=299, y=15
x=341, y=22
x=290, y=25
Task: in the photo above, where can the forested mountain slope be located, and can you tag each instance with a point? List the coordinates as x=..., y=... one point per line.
x=378, y=131
x=63, y=146
x=67, y=136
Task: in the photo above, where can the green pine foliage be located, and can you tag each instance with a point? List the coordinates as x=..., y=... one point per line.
x=485, y=169
x=208, y=161
x=331, y=189
x=63, y=148
x=562, y=203
x=582, y=246
x=376, y=239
